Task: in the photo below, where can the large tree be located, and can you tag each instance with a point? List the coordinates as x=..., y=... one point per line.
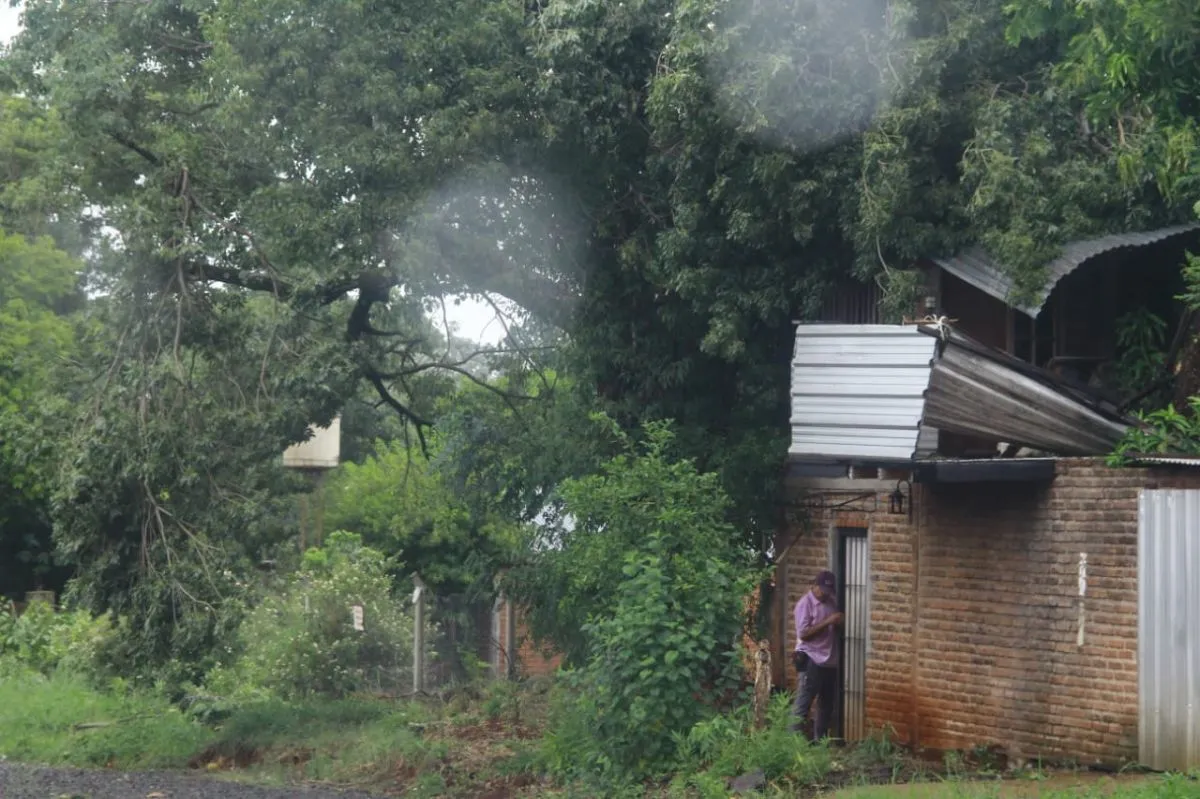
x=672, y=182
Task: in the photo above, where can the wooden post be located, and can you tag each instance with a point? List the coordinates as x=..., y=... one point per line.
x=762, y=683
x=319, y=532
x=303, y=521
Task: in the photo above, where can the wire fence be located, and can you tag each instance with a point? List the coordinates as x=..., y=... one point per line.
x=469, y=638
x=461, y=645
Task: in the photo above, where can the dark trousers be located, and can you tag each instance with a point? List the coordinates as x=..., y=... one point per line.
x=819, y=683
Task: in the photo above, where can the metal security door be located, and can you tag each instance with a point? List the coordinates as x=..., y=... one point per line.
x=854, y=577
x=1169, y=629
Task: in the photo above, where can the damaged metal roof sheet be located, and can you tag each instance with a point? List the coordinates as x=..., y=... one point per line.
x=858, y=391
x=974, y=266
x=877, y=393
x=980, y=391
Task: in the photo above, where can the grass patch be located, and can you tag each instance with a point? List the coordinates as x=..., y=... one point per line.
x=424, y=749
x=1057, y=786
x=63, y=722
x=352, y=742
x=475, y=745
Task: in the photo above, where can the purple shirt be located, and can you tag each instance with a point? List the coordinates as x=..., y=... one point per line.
x=821, y=648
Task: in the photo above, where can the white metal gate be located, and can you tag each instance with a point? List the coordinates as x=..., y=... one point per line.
x=855, y=580
x=1169, y=629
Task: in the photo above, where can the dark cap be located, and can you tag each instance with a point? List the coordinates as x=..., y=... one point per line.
x=826, y=581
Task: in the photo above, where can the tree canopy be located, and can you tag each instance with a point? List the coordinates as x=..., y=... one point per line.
x=274, y=198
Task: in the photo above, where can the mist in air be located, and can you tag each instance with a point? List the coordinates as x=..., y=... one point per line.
x=508, y=235
x=805, y=74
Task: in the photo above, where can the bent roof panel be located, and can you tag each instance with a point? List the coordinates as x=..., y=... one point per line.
x=872, y=393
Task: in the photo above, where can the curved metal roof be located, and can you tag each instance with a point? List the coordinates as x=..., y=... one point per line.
x=974, y=266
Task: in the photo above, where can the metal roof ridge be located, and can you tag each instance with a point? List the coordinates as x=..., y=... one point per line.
x=975, y=266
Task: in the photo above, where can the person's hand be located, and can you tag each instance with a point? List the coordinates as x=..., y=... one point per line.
x=837, y=618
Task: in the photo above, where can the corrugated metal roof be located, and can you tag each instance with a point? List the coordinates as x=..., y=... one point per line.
x=858, y=391
x=977, y=391
x=975, y=266
x=1165, y=460
x=875, y=393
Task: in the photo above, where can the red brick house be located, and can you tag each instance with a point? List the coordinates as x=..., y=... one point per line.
x=513, y=651
x=1002, y=585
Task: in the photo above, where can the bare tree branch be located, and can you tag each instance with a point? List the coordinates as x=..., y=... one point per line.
x=419, y=422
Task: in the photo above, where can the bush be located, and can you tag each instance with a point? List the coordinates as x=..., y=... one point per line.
x=720, y=748
x=44, y=640
x=662, y=649
x=302, y=642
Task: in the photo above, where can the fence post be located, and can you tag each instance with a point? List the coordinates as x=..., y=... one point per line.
x=418, y=635
x=510, y=638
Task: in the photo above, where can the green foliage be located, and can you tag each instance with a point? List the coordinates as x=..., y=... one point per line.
x=1161, y=432
x=1134, y=67
x=1141, y=352
x=1191, y=282
x=39, y=281
x=656, y=583
x=37, y=284
x=399, y=504
x=344, y=741
x=302, y=642
x=47, y=641
x=726, y=746
x=171, y=486
x=507, y=459
x=35, y=280
x=62, y=721
x=673, y=182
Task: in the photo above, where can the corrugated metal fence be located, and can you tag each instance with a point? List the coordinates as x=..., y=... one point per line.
x=1169, y=629
x=857, y=579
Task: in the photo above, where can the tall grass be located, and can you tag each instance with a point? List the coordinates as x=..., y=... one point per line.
x=60, y=721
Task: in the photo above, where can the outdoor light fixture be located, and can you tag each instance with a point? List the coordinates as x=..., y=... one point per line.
x=896, y=499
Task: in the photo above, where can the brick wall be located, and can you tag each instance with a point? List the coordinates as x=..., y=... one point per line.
x=974, y=614
x=530, y=659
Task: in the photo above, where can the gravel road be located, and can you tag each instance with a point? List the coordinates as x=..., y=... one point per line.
x=33, y=782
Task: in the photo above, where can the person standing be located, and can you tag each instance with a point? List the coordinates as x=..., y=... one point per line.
x=816, y=655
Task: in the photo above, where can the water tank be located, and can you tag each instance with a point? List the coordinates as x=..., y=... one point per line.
x=322, y=451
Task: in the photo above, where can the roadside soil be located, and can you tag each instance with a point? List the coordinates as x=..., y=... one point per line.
x=35, y=782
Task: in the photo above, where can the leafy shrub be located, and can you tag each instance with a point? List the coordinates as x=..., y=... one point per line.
x=1165, y=431
x=725, y=746
x=1141, y=340
x=302, y=642
x=43, y=640
x=651, y=536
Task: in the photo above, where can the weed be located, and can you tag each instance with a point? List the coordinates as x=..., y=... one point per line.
x=725, y=746
x=503, y=702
